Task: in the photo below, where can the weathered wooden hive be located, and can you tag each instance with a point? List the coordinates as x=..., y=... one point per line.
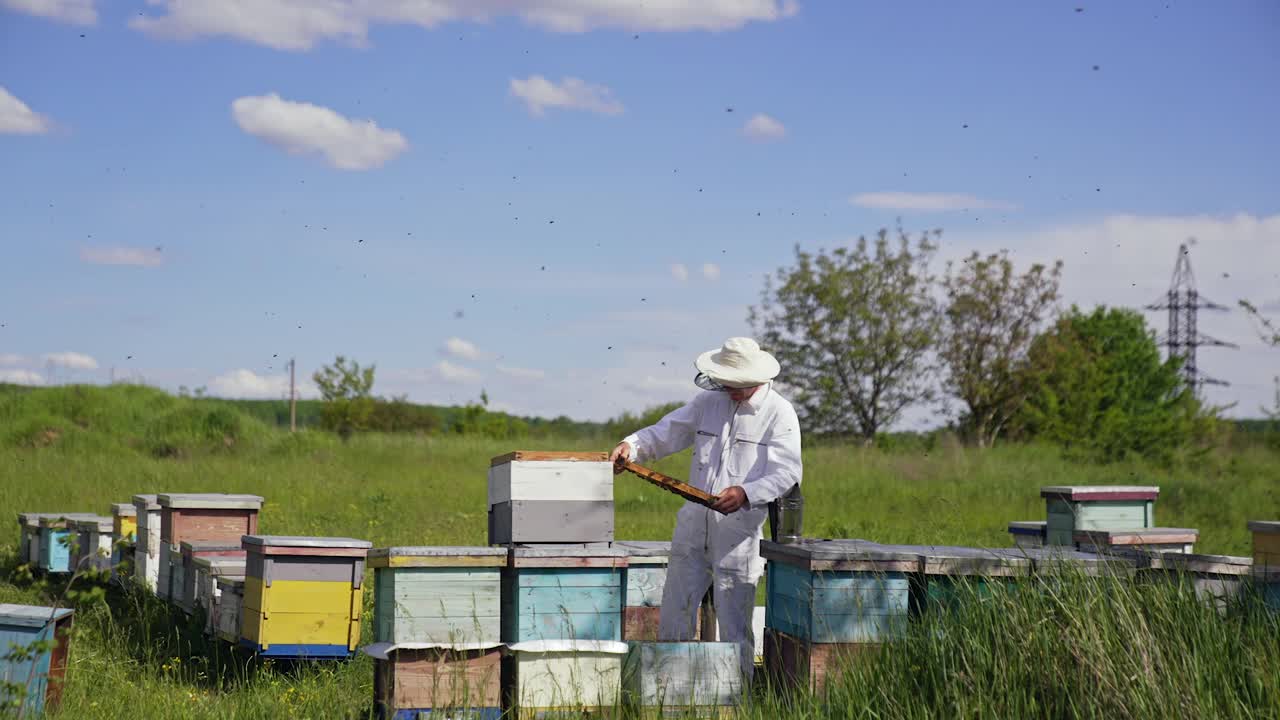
x=413, y=680
x=146, y=552
x=230, y=605
x=950, y=575
x=207, y=596
x=92, y=549
x=575, y=678
x=437, y=594
x=646, y=577
x=184, y=595
x=1096, y=507
x=550, y=497
x=46, y=632
x=29, y=537
x=1217, y=579
x=828, y=601
x=682, y=677
x=1140, y=540
x=201, y=517
x=303, y=596
x=1027, y=533
x=563, y=592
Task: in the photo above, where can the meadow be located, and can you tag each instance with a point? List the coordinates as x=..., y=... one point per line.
x=1080, y=650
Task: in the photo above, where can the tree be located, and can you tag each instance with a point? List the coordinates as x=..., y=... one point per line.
x=347, y=393
x=1096, y=385
x=991, y=317
x=852, y=329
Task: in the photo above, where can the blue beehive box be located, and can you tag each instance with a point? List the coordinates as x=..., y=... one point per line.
x=54, y=537
x=563, y=592
x=437, y=594
x=23, y=626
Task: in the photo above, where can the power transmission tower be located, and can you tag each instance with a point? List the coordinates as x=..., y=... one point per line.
x=1183, y=303
x=293, y=399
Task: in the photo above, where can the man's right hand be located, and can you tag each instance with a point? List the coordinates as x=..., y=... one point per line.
x=621, y=454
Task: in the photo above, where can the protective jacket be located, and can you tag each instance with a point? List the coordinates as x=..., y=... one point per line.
x=754, y=444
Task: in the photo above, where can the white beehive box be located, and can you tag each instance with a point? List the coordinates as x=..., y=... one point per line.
x=146, y=553
x=550, y=497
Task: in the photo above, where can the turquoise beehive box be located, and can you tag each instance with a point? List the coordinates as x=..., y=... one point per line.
x=1069, y=508
x=42, y=674
x=446, y=594
x=563, y=592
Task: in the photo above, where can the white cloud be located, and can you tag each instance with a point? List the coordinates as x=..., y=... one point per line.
x=711, y=271
x=452, y=373
x=679, y=272
x=143, y=257
x=71, y=360
x=76, y=12
x=301, y=128
x=459, y=348
x=927, y=202
x=761, y=127
x=11, y=359
x=572, y=93
x=18, y=119
x=300, y=24
x=244, y=383
x=21, y=377
x=520, y=373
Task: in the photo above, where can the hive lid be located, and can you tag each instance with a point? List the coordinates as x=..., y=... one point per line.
x=210, y=501
x=957, y=560
x=124, y=509
x=549, y=646
x=438, y=556
x=438, y=551
x=190, y=546
x=645, y=548
x=149, y=501
x=61, y=520
x=98, y=522
x=558, y=550
x=811, y=550
x=1136, y=536
x=30, y=615
x=1058, y=555
x=383, y=650
x=1266, y=527
x=300, y=541
x=549, y=455
x=221, y=565
x=1190, y=562
x=32, y=519
x=1100, y=492
x=1027, y=527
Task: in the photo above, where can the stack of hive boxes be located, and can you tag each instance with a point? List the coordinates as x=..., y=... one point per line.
x=124, y=539
x=199, y=517
x=92, y=548
x=184, y=583
x=830, y=600
x=303, y=596
x=146, y=551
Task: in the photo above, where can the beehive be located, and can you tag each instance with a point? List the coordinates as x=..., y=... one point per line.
x=550, y=497
x=303, y=596
x=41, y=673
x=1027, y=533
x=830, y=598
x=54, y=540
x=172, y=575
x=204, y=517
x=1054, y=561
x=146, y=553
x=184, y=595
x=124, y=538
x=230, y=604
x=1142, y=540
x=1218, y=580
x=93, y=543
x=563, y=592
x=1096, y=507
x=206, y=593
x=646, y=577
x=29, y=538
x=437, y=594
x=1266, y=543
x=681, y=676
x=574, y=677
x=949, y=575
x=413, y=680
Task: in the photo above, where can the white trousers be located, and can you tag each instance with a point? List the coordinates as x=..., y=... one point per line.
x=693, y=568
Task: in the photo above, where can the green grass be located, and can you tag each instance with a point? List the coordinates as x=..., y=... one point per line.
x=68, y=450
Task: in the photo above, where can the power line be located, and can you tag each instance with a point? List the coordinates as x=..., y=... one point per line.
x=1184, y=303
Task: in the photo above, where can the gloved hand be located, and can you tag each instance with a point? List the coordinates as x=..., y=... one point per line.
x=621, y=454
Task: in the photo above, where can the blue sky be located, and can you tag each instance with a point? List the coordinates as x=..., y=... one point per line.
x=192, y=195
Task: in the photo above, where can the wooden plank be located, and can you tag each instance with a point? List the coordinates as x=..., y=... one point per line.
x=543, y=455
x=793, y=664
x=645, y=585
x=572, y=577
x=474, y=561
x=438, y=679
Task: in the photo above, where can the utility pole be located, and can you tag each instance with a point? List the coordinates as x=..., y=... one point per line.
x=293, y=399
x=1183, y=302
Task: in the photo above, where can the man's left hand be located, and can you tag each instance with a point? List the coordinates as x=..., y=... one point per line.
x=731, y=500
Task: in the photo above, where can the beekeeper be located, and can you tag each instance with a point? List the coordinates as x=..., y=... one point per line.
x=746, y=450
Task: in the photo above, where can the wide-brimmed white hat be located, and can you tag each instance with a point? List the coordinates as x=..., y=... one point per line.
x=739, y=363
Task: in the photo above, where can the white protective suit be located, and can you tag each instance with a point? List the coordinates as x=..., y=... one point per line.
x=755, y=444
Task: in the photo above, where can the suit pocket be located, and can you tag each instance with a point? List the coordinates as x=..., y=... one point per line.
x=703, y=442
x=745, y=456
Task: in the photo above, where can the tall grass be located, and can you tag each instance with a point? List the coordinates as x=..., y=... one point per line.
x=1078, y=650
